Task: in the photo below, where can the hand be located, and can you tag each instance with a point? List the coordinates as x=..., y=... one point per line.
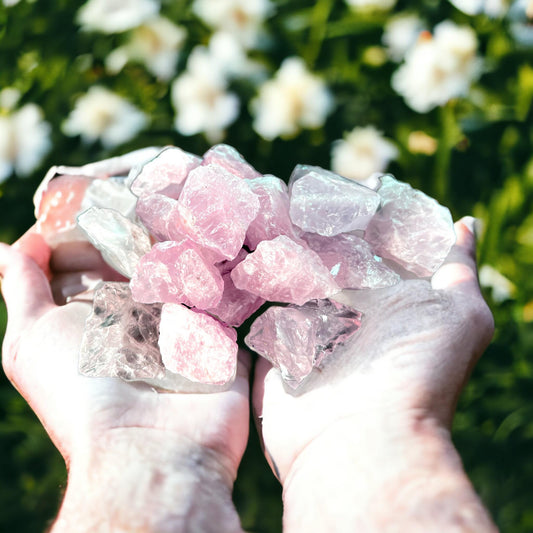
x=105, y=428
x=374, y=423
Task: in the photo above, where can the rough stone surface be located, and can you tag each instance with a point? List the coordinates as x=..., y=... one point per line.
x=281, y=270
x=121, y=241
x=177, y=272
x=216, y=209
x=296, y=339
x=351, y=261
x=112, y=194
x=164, y=174
x=121, y=335
x=160, y=215
x=273, y=217
x=196, y=346
x=227, y=157
x=411, y=228
x=323, y=202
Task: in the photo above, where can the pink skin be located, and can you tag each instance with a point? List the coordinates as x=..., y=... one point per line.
x=40, y=355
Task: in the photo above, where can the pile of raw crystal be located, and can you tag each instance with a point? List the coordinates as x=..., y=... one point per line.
x=204, y=242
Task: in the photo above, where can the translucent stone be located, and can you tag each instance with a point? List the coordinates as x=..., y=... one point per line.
x=227, y=157
x=296, y=339
x=410, y=228
x=273, y=217
x=197, y=346
x=281, y=270
x=164, y=174
x=177, y=272
x=111, y=193
x=160, y=215
x=326, y=203
x=216, y=209
x=121, y=241
x=120, y=337
x=351, y=261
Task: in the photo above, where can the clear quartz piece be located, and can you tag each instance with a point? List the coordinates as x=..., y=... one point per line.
x=296, y=339
x=410, y=228
x=111, y=193
x=328, y=204
x=121, y=241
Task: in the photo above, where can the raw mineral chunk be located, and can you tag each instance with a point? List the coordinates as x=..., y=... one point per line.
x=227, y=157
x=216, y=209
x=164, y=174
x=197, y=346
x=410, y=228
x=177, y=272
x=160, y=215
x=281, y=270
x=58, y=204
x=273, y=218
x=120, y=338
x=325, y=203
x=296, y=339
x=351, y=261
x=121, y=241
x=111, y=193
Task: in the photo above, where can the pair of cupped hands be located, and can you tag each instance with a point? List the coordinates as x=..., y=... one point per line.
x=364, y=446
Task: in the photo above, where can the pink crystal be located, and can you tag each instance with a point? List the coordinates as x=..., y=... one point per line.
x=296, y=339
x=160, y=215
x=352, y=262
x=177, y=272
x=410, y=228
x=228, y=158
x=325, y=203
x=273, y=218
x=120, y=337
x=281, y=270
x=216, y=209
x=164, y=174
x=197, y=346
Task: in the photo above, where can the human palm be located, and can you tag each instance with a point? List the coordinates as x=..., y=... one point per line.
x=410, y=359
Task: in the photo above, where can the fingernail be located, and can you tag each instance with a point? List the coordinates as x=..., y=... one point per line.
x=475, y=225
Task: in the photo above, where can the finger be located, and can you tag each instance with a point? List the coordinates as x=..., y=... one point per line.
x=244, y=364
x=26, y=292
x=66, y=286
x=33, y=245
x=76, y=256
x=459, y=270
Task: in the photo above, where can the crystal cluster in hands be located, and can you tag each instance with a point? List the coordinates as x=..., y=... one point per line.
x=204, y=242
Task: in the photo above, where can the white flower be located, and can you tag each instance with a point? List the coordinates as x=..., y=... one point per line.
x=401, y=32
x=24, y=140
x=114, y=16
x=381, y=5
x=241, y=18
x=156, y=44
x=492, y=8
x=361, y=153
x=201, y=99
x=102, y=114
x=502, y=289
x=439, y=67
x=521, y=17
x=9, y=3
x=295, y=98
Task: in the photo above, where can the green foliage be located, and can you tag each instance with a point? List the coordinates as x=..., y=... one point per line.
x=481, y=164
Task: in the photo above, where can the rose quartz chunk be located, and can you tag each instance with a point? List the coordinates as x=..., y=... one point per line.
x=228, y=158
x=352, y=262
x=296, y=339
x=164, y=174
x=177, y=272
x=197, y=346
x=410, y=228
x=273, y=218
x=325, y=203
x=281, y=270
x=216, y=209
x=160, y=215
x=58, y=204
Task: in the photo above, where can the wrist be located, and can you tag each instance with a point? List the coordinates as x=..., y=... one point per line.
x=139, y=480
x=389, y=475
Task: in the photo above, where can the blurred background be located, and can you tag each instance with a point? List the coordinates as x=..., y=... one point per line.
x=438, y=93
